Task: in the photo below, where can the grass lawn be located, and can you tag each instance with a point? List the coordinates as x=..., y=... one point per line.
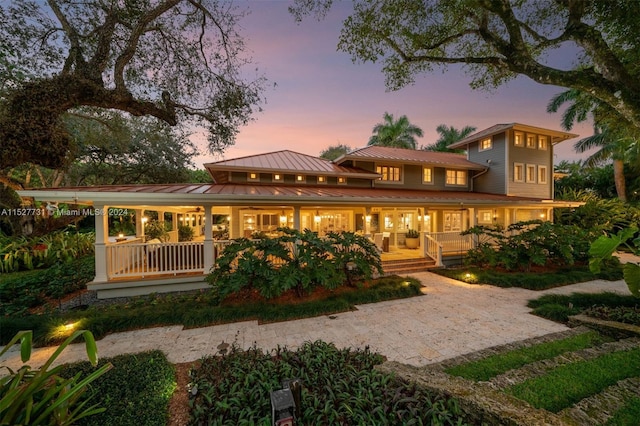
x=627, y=415
x=486, y=368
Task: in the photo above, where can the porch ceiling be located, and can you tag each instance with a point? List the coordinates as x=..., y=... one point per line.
x=275, y=195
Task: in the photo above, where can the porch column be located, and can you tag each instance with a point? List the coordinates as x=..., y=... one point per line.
x=209, y=252
x=102, y=237
x=296, y=218
x=139, y=224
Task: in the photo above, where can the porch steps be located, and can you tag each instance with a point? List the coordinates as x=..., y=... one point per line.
x=407, y=266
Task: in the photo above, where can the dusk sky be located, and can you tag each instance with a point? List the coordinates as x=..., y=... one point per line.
x=317, y=97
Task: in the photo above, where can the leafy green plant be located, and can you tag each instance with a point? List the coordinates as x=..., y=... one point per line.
x=412, y=233
x=355, y=256
x=603, y=248
x=42, y=396
x=185, y=233
x=558, y=307
x=156, y=229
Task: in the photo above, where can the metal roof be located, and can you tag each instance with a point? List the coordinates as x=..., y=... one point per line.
x=556, y=136
x=255, y=195
x=287, y=161
x=444, y=159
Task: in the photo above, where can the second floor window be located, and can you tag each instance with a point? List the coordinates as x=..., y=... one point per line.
x=389, y=173
x=518, y=172
x=531, y=173
x=427, y=175
x=486, y=144
x=456, y=177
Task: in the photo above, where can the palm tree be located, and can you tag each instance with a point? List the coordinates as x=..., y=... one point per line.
x=616, y=138
x=396, y=134
x=448, y=136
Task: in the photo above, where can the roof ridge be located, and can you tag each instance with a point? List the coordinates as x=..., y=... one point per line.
x=262, y=155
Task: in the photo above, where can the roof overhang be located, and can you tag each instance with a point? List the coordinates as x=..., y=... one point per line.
x=557, y=136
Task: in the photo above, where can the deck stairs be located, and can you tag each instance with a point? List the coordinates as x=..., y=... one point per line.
x=407, y=266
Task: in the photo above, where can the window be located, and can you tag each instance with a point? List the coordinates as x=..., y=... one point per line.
x=322, y=179
x=342, y=180
x=427, y=175
x=277, y=177
x=452, y=221
x=389, y=173
x=543, y=142
x=300, y=178
x=518, y=139
x=485, y=216
x=518, y=172
x=531, y=173
x=253, y=176
x=456, y=177
x=542, y=174
x=531, y=141
x=485, y=144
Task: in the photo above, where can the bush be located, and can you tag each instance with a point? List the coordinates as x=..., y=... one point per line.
x=155, y=229
x=136, y=391
x=185, y=233
x=296, y=260
x=558, y=307
x=525, y=244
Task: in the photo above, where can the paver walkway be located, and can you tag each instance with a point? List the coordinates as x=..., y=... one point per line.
x=452, y=319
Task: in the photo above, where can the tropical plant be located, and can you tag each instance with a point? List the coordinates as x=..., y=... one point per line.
x=412, y=233
x=156, y=229
x=448, y=136
x=185, y=233
x=42, y=396
x=604, y=247
x=398, y=133
x=334, y=151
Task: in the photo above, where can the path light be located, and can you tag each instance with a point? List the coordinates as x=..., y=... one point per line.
x=286, y=403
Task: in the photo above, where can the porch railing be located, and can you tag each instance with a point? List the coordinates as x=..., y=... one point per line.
x=146, y=260
x=452, y=242
x=432, y=249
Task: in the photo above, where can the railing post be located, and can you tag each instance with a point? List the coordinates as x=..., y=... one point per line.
x=208, y=249
x=102, y=235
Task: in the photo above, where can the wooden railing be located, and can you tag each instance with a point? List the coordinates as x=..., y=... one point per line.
x=453, y=242
x=145, y=260
x=432, y=248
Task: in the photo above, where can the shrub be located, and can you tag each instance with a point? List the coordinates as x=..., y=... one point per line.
x=155, y=229
x=525, y=244
x=295, y=260
x=412, y=233
x=185, y=233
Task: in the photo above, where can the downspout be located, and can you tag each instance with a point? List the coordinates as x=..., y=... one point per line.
x=478, y=175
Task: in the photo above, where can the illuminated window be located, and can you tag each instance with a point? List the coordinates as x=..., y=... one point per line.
x=486, y=144
x=427, y=175
x=542, y=174
x=485, y=216
x=518, y=172
x=531, y=141
x=531, y=173
x=277, y=177
x=322, y=179
x=253, y=176
x=389, y=173
x=518, y=139
x=456, y=177
x=543, y=142
x=300, y=178
x=342, y=180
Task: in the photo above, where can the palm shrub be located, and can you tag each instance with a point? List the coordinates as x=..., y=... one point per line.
x=185, y=233
x=42, y=396
x=355, y=256
x=155, y=229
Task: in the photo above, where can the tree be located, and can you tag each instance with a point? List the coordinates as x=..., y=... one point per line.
x=497, y=40
x=449, y=135
x=334, y=151
x=179, y=61
x=616, y=139
x=395, y=133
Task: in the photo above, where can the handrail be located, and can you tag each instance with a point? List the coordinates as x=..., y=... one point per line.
x=433, y=249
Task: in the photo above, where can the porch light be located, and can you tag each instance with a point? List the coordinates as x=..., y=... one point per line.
x=144, y=219
x=368, y=218
x=541, y=215
x=283, y=218
x=317, y=218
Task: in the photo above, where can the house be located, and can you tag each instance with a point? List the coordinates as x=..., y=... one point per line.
x=505, y=177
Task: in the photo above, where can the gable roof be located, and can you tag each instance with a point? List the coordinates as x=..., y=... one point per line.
x=384, y=153
x=286, y=161
x=556, y=135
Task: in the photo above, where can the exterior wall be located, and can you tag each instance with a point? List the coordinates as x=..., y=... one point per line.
x=493, y=181
x=533, y=157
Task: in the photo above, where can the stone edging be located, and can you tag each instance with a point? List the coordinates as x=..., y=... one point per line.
x=615, y=329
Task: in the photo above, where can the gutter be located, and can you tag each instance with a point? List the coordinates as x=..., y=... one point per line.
x=477, y=176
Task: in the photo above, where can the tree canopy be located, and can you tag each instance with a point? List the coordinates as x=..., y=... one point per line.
x=334, y=151
x=394, y=133
x=449, y=135
x=180, y=61
x=496, y=40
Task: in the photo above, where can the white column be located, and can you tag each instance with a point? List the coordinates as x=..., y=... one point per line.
x=102, y=237
x=139, y=224
x=209, y=252
x=296, y=218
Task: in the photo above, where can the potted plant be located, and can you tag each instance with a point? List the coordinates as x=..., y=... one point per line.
x=412, y=239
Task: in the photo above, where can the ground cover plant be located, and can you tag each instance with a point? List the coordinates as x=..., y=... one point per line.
x=557, y=307
x=492, y=366
x=627, y=415
x=136, y=391
x=205, y=308
x=338, y=387
x=540, y=280
x=567, y=384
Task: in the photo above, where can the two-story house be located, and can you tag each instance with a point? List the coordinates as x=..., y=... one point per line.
x=505, y=177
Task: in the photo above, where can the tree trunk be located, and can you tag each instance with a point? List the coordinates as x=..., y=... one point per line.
x=618, y=178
